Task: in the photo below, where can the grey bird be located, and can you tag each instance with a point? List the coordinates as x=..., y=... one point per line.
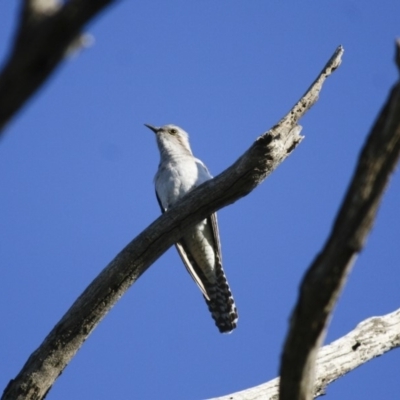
x=200, y=249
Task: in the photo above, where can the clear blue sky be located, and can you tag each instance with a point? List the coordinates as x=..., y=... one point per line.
x=77, y=166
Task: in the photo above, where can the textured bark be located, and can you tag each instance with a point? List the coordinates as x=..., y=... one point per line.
x=325, y=278
x=269, y=150
x=370, y=339
x=45, y=32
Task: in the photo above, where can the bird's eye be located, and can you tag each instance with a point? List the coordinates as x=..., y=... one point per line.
x=173, y=131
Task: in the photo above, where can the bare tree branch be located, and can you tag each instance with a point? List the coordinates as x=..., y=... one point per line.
x=45, y=32
x=323, y=281
x=370, y=339
x=269, y=150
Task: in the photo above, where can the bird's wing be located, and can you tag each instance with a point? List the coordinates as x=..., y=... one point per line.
x=194, y=271
x=160, y=204
x=215, y=234
x=191, y=265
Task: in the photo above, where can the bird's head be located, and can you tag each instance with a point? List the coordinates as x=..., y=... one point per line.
x=171, y=139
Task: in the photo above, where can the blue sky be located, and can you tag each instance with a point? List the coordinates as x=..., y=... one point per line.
x=77, y=166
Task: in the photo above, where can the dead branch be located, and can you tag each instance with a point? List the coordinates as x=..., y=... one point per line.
x=370, y=339
x=325, y=278
x=268, y=151
x=43, y=37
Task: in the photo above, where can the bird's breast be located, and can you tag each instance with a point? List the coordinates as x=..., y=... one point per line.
x=174, y=179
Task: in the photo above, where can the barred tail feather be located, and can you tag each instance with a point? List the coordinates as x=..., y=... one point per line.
x=221, y=304
x=205, y=267
x=217, y=294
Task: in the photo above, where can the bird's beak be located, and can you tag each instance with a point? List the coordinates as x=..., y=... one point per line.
x=153, y=128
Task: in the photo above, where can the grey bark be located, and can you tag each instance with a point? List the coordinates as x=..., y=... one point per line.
x=370, y=339
x=268, y=151
x=325, y=278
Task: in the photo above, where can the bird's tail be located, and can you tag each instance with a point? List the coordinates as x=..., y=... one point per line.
x=221, y=303
x=215, y=289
